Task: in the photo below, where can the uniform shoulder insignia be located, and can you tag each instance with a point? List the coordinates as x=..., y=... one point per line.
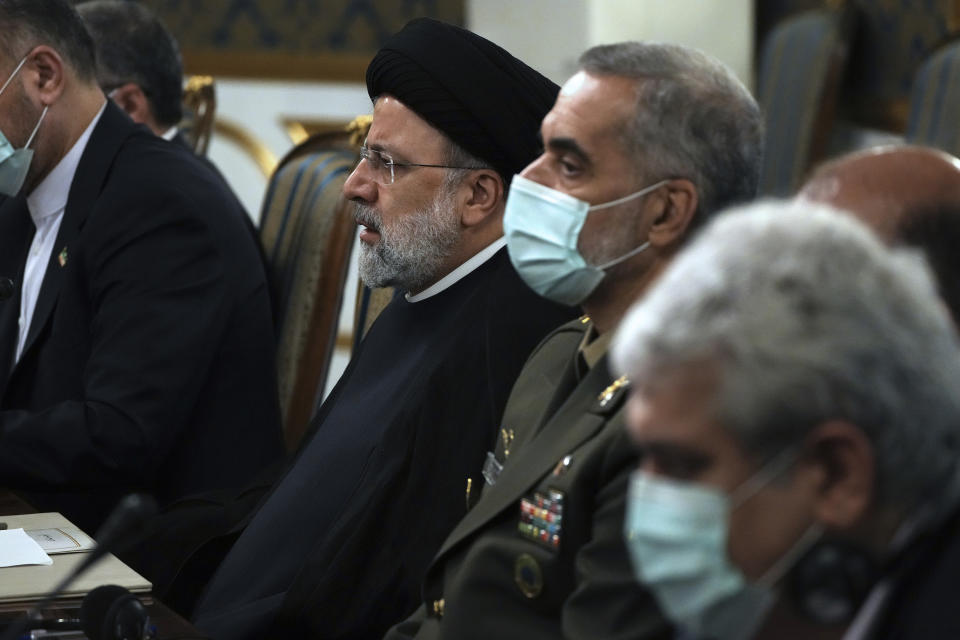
x=616, y=388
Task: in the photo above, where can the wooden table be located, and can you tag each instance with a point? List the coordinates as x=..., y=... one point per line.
x=169, y=624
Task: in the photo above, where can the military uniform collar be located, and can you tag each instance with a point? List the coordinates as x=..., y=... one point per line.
x=594, y=345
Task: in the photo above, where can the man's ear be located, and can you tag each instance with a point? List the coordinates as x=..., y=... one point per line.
x=485, y=197
x=676, y=203
x=846, y=463
x=45, y=74
x=131, y=98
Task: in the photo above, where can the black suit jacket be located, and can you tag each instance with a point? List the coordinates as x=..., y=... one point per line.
x=149, y=363
x=181, y=141
x=923, y=602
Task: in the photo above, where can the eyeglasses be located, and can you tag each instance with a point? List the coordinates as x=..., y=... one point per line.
x=382, y=165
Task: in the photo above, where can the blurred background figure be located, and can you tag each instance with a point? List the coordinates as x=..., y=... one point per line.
x=138, y=63
x=910, y=195
x=794, y=404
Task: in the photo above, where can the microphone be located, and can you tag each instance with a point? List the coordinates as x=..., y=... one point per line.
x=6, y=288
x=110, y=612
x=128, y=520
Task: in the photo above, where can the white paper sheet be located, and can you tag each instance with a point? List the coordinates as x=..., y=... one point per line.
x=17, y=548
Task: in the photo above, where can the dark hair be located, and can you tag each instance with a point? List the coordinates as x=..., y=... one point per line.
x=936, y=232
x=694, y=119
x=134, y=46
x=26, y=24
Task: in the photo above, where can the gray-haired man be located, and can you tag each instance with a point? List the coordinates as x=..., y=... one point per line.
x=794, y=399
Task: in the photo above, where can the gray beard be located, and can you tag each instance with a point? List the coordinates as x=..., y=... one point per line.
x=412, y=248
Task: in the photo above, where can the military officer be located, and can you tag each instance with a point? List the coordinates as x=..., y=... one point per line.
x=644, y=143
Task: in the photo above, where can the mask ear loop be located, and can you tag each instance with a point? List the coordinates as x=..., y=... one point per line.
x=613, y=203
x=36, y=128
x=773, y=468
x=626, y=256
x=628, y=198
x=13, y=75
x=804, y=543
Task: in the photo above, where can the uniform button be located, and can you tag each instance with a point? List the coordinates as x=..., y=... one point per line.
x=438, y=608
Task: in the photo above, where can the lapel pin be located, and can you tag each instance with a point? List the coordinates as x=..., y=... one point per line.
x=508, y=436
x=563, y=466
x=62, y=258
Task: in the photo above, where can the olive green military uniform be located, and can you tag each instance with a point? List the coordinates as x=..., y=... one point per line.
x=541, y=554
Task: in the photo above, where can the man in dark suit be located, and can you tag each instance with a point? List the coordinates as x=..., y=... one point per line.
x=139, y=68
x=394, y=455
x=138, y=64
x=136, y=349
x=654, y=139
x=795, y=404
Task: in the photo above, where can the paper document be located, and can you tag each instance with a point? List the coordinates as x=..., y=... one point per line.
x=61, y=539
x=28, y=583
x=17, y=548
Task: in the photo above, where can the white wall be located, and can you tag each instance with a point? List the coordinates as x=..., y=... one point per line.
x=723, y=28
x=546, y=34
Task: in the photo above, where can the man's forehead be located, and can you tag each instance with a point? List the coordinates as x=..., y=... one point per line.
x=397, y=125
x=576, y=82
x=591, y=109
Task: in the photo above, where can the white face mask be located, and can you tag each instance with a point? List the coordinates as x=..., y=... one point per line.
x=15, y=163
x=677, y=537
x=542, y=227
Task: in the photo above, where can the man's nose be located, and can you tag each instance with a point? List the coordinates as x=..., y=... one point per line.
x=537, y=171
x=360, y=184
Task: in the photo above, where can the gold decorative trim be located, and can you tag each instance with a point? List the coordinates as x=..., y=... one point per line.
x=299, y=129
x=358, y=129
x=345, y=341
x=250, y=144
x=953, y=17
x=200, y=97
x=337, y=67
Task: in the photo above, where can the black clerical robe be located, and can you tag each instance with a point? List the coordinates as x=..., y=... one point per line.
x=339, y=549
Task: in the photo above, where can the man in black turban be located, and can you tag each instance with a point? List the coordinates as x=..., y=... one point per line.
x=339, y=547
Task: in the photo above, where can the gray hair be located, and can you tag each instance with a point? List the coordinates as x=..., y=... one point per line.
x=694, y=120
x=806, y=317
x=457, y=156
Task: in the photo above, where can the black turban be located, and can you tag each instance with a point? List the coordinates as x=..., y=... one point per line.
x=475, y=92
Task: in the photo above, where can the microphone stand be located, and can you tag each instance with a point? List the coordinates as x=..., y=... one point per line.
x=128, y=516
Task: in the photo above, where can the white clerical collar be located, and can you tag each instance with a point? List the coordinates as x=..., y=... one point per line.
x=50, y=196
x=170, y=133
x=460, y=272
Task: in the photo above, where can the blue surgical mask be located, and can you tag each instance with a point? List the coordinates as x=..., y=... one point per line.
x=677, y=537
x=542, y=227
x=15, y=163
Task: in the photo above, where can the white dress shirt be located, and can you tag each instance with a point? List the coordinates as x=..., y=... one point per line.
x=46, y=204
x=170, y=133
x=460, y=272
